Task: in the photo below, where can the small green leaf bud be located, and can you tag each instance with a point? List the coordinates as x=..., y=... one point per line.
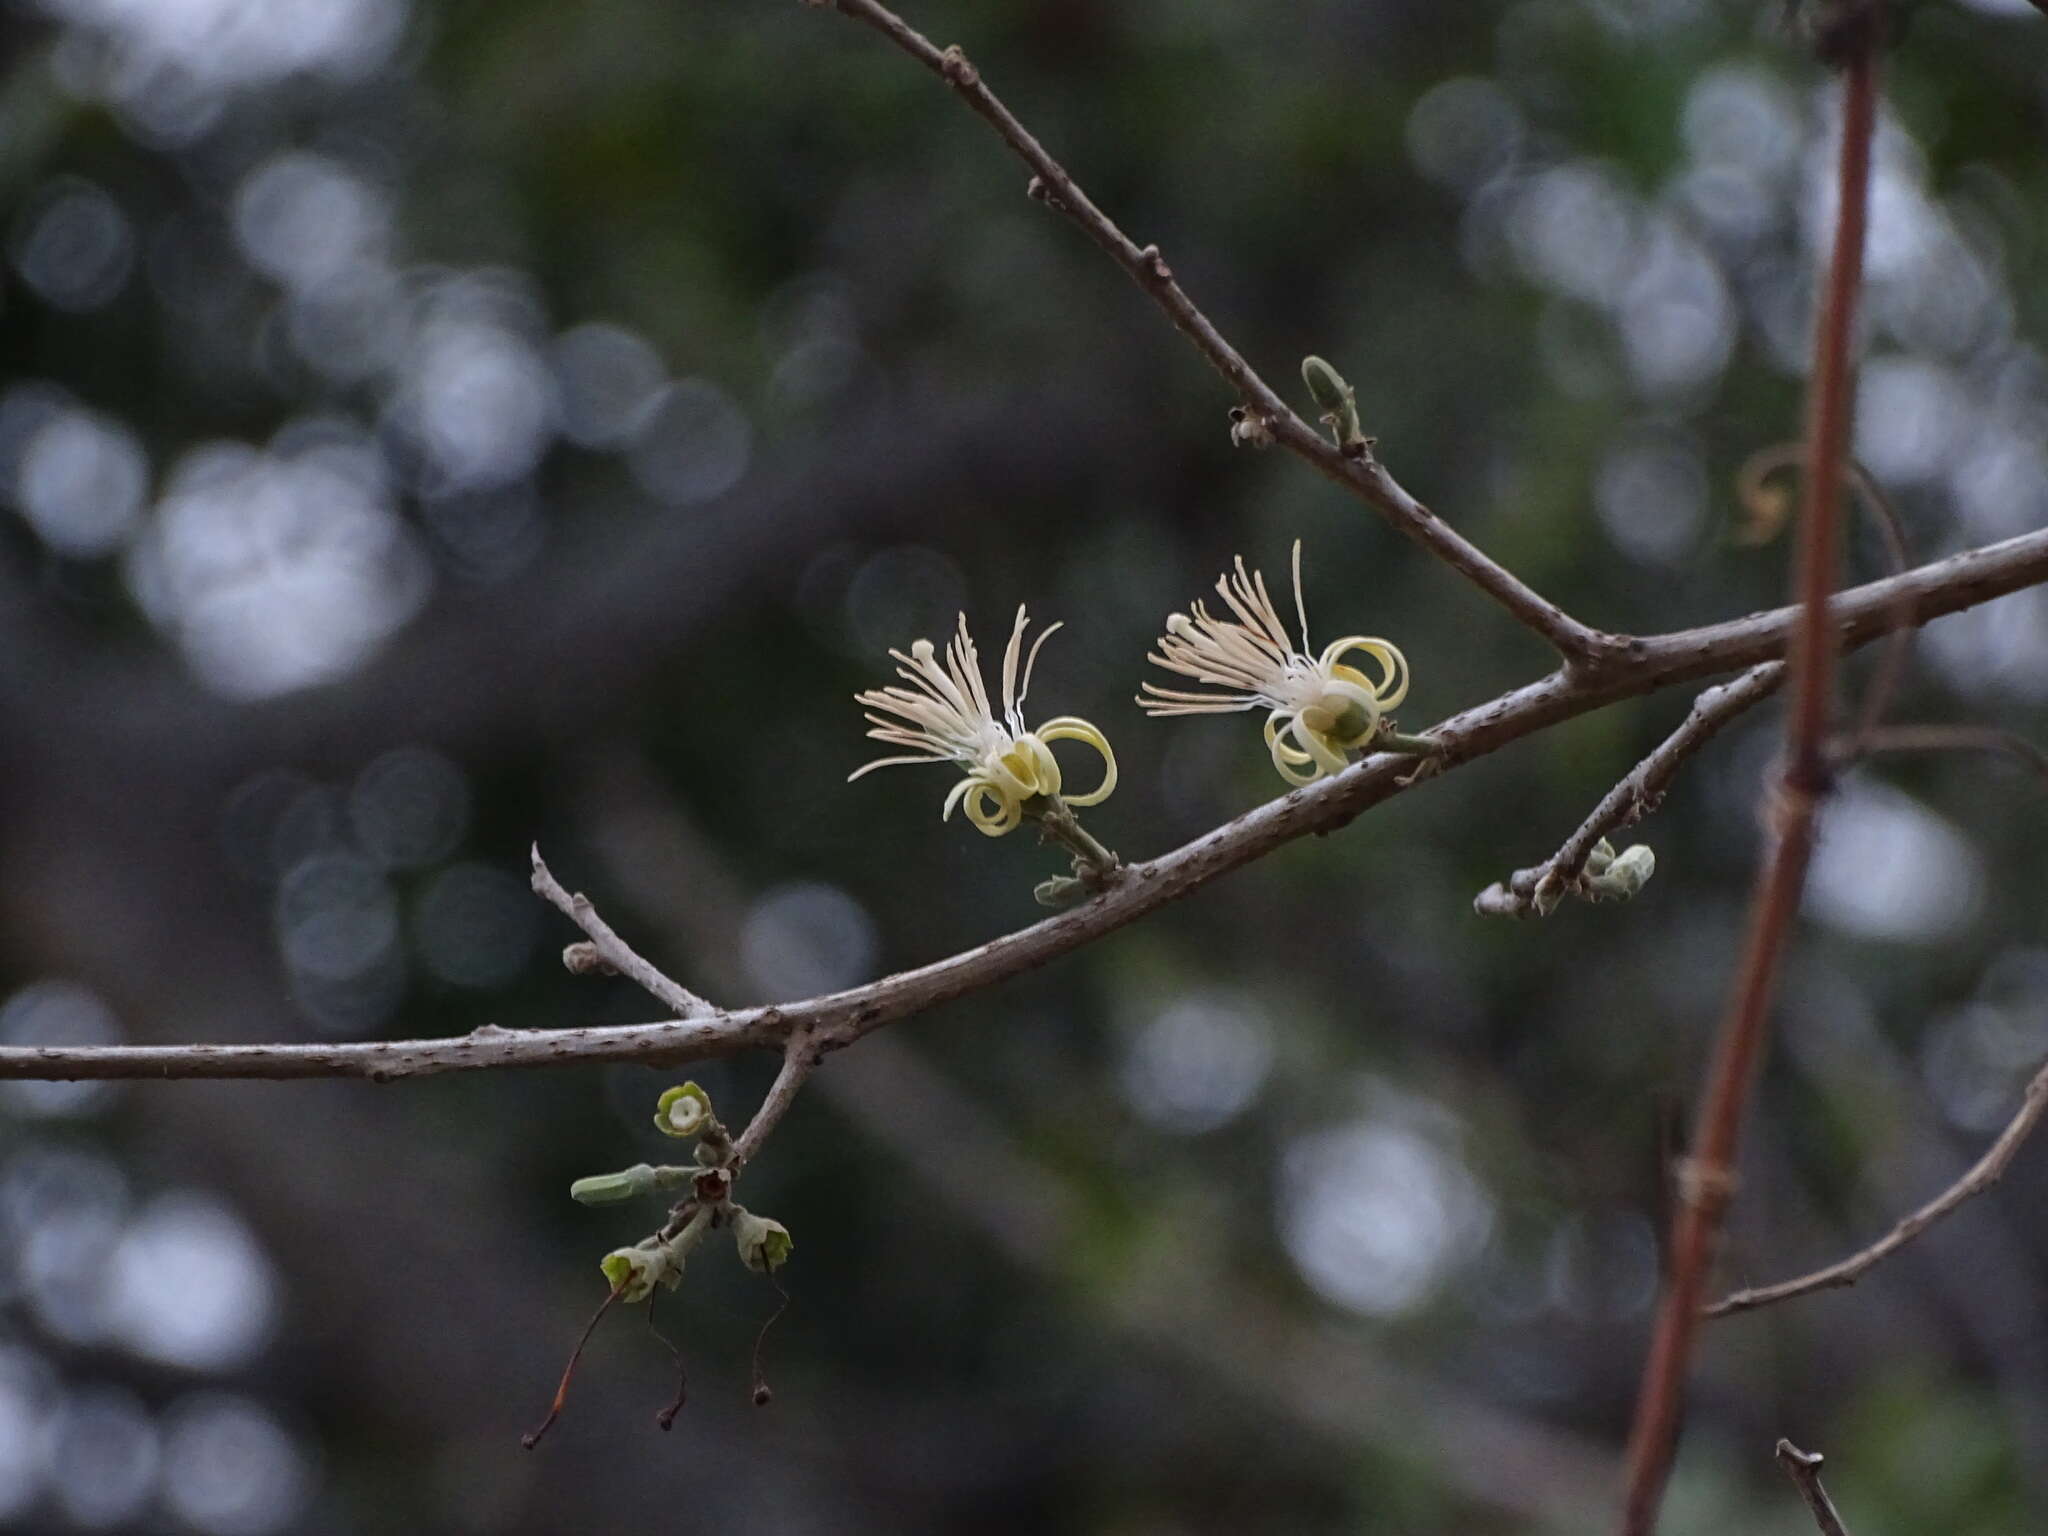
x=684, y=1110
x=764, y=1245
x=1327, y=385
x=611, y=1188
x=1632, y=868
x=1601, y=856
x=1628, y=874
x=1058, y=892
x=628, y=1183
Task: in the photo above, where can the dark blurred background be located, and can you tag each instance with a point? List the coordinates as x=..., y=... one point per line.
x=426, y=428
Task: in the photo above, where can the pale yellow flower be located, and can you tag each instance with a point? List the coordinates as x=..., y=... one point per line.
x=945, y=717
x=1320, y=709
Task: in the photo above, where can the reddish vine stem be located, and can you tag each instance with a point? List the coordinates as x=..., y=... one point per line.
x=1707, y=1181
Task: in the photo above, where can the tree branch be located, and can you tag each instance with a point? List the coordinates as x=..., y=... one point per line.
x=1357, y=471
x=800, y=1056
x=1646, y=665
x=1538, y=889
x=1707, y=1184
x=615, y=951
x=1989, y=1169
x=1803, y=1467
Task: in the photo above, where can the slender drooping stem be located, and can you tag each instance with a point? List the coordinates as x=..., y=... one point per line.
x=1989, y=1169
x=1706, y=1184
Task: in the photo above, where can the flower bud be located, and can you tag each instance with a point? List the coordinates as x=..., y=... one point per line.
x=628, y=1184
x=764, y=1245
x=1327, y=385
x=635, y=1272
x=683, y=1111
x=611, y=1188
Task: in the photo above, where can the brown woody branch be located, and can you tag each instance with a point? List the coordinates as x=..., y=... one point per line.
x=800, y=1056
x=1708, y=1181
x=1644, y=664
x=1356, y=470
x=1803, y=1467
x=1538, y=889
x=1989, y=1169
x=615, y=951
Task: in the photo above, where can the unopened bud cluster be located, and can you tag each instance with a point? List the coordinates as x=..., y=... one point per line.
x=684, y=1112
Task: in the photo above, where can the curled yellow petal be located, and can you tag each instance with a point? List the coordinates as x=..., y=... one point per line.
x=1028, y=769
x=1008, y=812
x=1393, y=685
x=1288, y=760
x=1328, y=755
x=1074, y=728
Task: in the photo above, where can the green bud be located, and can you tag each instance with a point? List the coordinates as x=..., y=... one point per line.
x=764, y=1245
x=1601, y=856
x=1059, y=891
x=684, y=1110
x=1628, y=874
x=1327, y=385
x=611, y=1188
x=628, y=1184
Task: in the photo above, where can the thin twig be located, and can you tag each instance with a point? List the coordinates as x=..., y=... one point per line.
x=1707, y=1185
x=666, y=1417
x=761, y=1393
x=1357, y=471
x=533, y=1436
x=615, y=951
x=1638, y=793
x=800, y=1056
x=1803, y=1467
x=1650, y=663
x=1958, y=738
x=1989, y=1169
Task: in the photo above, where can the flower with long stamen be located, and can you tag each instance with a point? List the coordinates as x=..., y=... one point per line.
x=1320, y=709
x=944, y=716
